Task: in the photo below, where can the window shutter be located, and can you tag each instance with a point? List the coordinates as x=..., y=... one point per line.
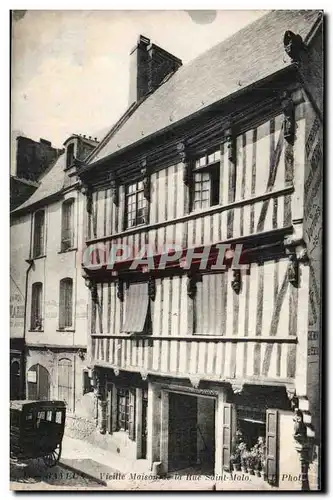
x=228, y=410
x=272, y=446
x=62, y=320
x=131, y=423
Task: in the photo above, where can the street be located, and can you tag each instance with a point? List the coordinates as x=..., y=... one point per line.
x=34, y=476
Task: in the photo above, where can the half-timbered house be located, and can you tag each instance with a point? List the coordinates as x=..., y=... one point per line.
x=225, y=150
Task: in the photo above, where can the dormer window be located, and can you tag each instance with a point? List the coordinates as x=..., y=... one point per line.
x=70, y=155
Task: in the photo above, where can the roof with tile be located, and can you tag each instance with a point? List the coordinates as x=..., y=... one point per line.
x=250, y=55
x=50, y=183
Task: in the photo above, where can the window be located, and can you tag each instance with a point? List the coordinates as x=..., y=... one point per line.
x=66, y=303
x=67, y=232
x=70, y=155
x=36, y=307
x=39, y=229
x=137, y=311
x=206, y=181
x=135, y=205
x=65, y=382
x=123, y=397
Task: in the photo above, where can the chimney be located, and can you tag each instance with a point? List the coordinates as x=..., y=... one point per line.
x=149, y=65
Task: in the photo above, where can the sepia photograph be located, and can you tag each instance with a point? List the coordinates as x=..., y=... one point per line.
x=166, y=250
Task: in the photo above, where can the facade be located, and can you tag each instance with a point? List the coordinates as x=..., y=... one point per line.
x=49, y=323
x=224, y=151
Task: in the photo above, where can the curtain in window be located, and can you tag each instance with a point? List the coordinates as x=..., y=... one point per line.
x=136, y=309
x=208, y=304
x=66, y=303
x=39, y=223
x=67, y=225
x=65, y=382
x=36, y=306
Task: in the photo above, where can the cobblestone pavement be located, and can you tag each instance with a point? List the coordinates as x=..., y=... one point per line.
x=34, y=476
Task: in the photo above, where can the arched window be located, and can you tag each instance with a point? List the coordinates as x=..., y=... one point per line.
x=67, y=226
x=70, y=155
x=39, y=231
x=66, y=303
x=65, y=382
x=36, y=322
x=38, y=383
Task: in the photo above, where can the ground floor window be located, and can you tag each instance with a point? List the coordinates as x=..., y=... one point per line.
x=123, y=397
x=249, y=442
x=252, y=425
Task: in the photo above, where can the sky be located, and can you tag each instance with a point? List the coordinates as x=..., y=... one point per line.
x=70, y=69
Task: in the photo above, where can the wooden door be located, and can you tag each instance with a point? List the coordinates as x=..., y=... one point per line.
x=182, y=431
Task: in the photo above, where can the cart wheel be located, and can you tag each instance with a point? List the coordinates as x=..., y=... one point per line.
x=53, y=458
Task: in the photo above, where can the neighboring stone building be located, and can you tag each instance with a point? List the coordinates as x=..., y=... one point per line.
x=29, y=160
x=48, y=296
x=225, y=150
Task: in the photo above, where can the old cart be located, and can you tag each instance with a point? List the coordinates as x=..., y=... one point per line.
x=36, y=430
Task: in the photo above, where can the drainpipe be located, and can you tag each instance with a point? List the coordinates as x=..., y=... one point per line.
x=23, y=358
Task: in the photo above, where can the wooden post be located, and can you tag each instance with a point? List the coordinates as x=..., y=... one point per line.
x=164, y=431
x=219, y=438
x=138, y=423
x=153, y=424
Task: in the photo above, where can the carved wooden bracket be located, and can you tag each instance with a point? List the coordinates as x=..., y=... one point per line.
x=237, y=388
x=289, y=123
x=86, y=190
x=144, y=375
x=195, y=380
x=236, y=283
x=291, y=393
x=187, y=170
x=293, y=270
x=231, y=145
x=145, y=179
x=191, y=286
x=295, y=244
x=120, y=290
x=115, y=192
x=93, y=289
x=116, y=371
x=300, y=433
x=151, y=288
x=99, y=384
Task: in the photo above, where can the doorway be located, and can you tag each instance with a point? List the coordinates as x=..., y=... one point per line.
x=15, y=380
x=38, y=383
x=191, y=439
x=182, y=450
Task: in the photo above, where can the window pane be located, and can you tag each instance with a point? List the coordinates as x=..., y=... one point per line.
x=215, y=185
x=65, y=303
x=36, y=306
x=135, y=203
x=67, y=225
x=122, y=409
x=65, y=382
x=38, y=234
